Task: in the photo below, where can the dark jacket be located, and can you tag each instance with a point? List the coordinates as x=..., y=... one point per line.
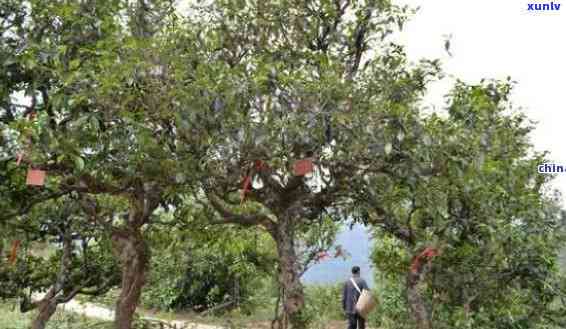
x=350, y=294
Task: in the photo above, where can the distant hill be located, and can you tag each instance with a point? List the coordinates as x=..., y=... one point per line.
x=357, y=243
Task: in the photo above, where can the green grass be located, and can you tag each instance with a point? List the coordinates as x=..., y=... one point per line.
x=11, y=318
x=323, y=308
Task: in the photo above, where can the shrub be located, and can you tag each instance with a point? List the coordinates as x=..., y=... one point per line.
x=207, y=268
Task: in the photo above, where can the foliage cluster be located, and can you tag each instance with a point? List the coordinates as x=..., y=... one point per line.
x=208, y=268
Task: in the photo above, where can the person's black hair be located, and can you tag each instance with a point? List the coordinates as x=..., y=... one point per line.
x=356, y=270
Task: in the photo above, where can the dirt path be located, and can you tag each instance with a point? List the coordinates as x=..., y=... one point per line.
x=102, y=313
x=97, y=312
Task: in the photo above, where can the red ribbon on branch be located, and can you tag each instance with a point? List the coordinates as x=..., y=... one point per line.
x=322, y=255
x=260, y=165
x=246, y=184
x=427, y=254
x=14, y=252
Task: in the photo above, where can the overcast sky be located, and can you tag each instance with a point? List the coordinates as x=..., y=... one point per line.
x=496, y=39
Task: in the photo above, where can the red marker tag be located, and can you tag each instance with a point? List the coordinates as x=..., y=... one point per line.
x=14, y=252
x=35, y=177
x=260, y=165
x=303, y=167
x=428, y=254
x=323, y=255
x=245, y=188
x=415, y=265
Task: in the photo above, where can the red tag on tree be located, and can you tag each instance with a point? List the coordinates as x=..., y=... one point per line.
x=428, y=253
x=303, y=167
x=245, y=187
x=415, y=264
x=14, y=252
x=35, y=177
x=321, y=256
x=260, y=165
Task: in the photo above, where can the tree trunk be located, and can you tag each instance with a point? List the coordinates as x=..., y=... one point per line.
x=415, y=298
x=48, y=305
x=132, y=252
x=46, y=309
x=289, y=279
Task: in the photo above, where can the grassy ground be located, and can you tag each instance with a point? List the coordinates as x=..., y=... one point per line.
x=259, y=319
x=11, y=318
x=324, y=311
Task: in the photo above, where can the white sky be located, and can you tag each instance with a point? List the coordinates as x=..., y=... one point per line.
x=496, y=39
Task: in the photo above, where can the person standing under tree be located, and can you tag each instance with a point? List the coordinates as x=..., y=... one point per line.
x=350, y=296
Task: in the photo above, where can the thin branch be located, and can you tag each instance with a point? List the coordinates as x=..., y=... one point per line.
x=359, y=43
x=30, y=204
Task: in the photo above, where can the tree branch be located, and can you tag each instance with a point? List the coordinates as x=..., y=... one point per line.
x=359, y=43
x=229, y=217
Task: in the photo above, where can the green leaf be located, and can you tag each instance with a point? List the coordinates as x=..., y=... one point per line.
x=79, y=163
x=74, y=64
x=388, y=148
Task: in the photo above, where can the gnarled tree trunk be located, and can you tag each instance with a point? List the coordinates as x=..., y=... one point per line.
x=289, y=278
x=417, y=304
x=46, y=308
x=132, y=252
